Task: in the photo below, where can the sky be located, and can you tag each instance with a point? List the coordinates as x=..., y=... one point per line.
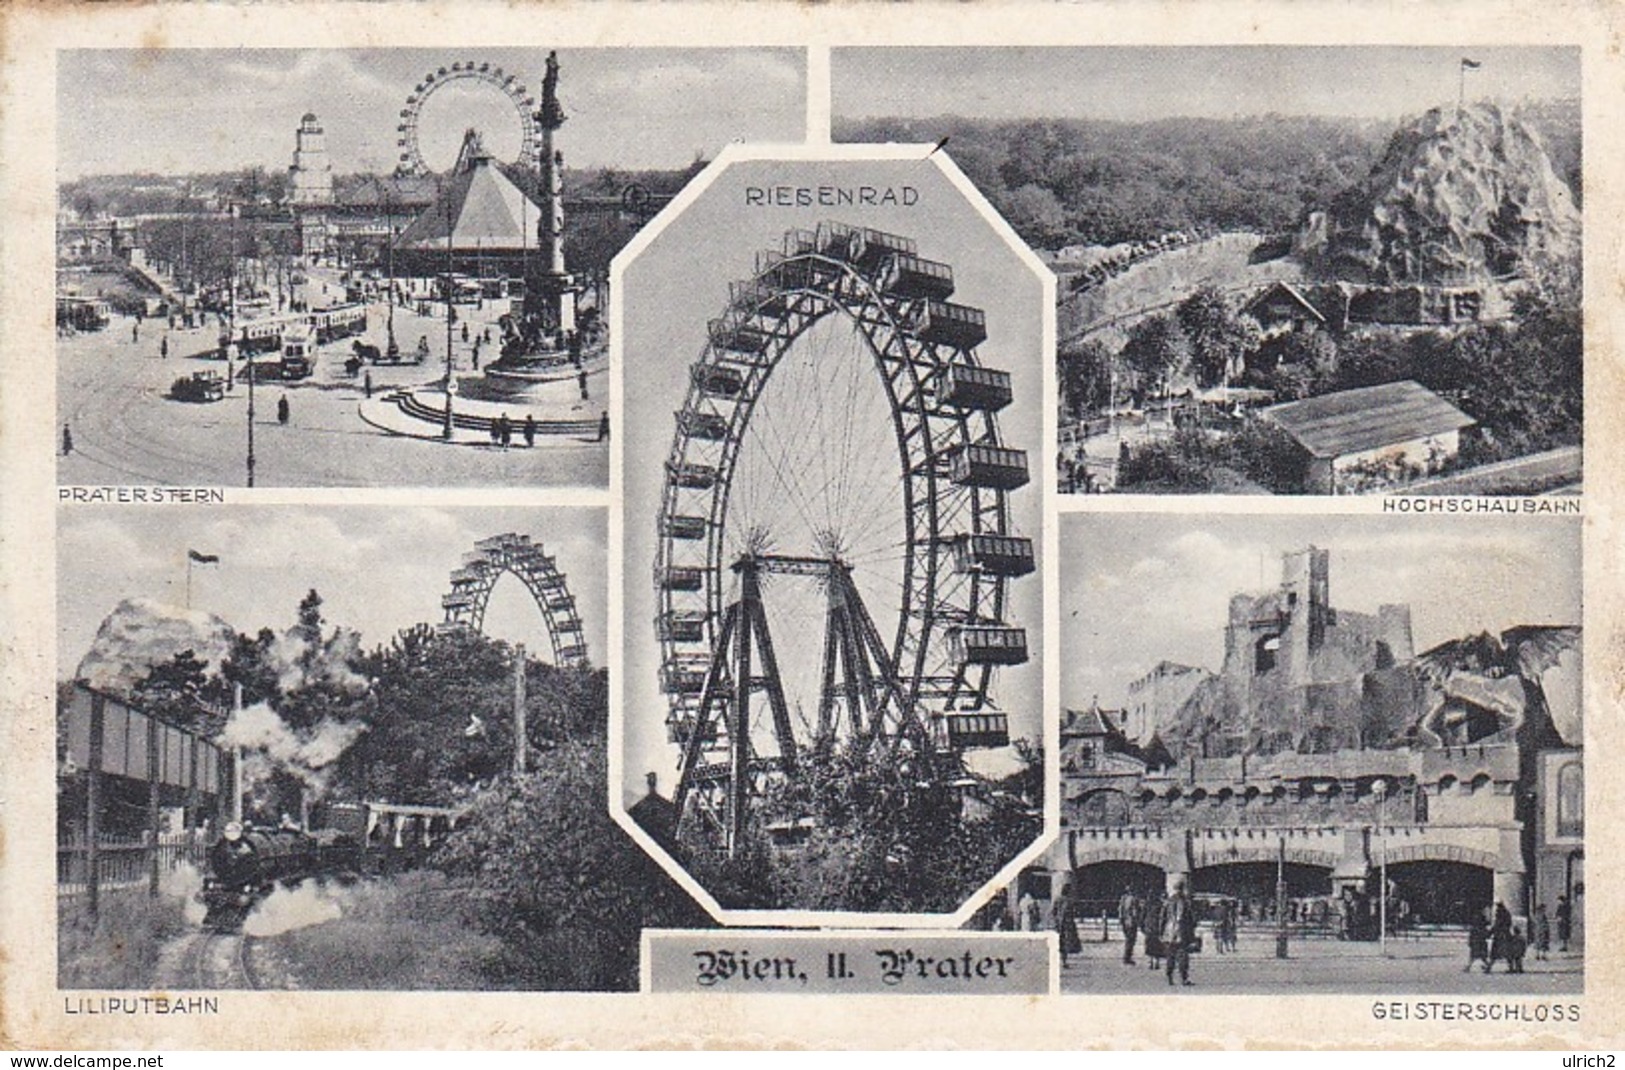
x=1134, y=84
x=377, y=569
x=1137, y=589
x=669, y=294
x=179, y=111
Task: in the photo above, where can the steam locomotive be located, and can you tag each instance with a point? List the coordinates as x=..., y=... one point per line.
x=246, y=864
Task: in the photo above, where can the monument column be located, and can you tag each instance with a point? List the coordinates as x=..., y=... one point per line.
x=551, y=293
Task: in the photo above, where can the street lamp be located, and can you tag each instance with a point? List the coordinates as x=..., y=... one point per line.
x=1280, y=902
x=445, y=431
x=392, y=350
x=248, y=365
x=1380, y=789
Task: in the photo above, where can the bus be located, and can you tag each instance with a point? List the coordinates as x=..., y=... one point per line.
x=298, y=352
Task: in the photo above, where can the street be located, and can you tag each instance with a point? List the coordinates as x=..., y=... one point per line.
x=111, y=394
x=1432, y=965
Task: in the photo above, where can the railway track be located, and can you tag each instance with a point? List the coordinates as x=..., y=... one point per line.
x=206, y=961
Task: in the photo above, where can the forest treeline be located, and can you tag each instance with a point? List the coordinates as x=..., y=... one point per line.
x=1063, y=182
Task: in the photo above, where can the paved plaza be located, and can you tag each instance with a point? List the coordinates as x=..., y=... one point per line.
x=1431, y=966
x=112, y=387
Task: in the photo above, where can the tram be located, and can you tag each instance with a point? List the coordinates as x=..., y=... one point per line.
x=82, y=313
x=340, y=321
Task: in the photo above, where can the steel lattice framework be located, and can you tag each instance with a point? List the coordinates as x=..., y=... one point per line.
x=406, y=133
x=471, y=586
x=930, y=683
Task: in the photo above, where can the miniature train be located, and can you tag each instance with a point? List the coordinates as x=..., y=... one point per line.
x=247, y=863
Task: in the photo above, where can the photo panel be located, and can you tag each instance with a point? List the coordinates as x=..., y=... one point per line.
x=1282, y=269
x=418, y=298
x=1334, y=754
x=341, y=748
x=833, y=705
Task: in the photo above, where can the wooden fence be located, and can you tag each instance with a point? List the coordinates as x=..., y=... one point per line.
x=123, y=862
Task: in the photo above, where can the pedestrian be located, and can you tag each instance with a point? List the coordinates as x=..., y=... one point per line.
x=1128, y=919
x=366, y=382
x=1478, y=942
x=1178, y=933
x=135, y=331
x=603, y=426
x=465, y=333
x=496, y=432
x=530, y=430
x=1066, y=925
x=282, y=410
x=487, y=335
x=1028, y=912
x=1565, y=922
x=67, y=440
x=1224, y=936
x=163, y=348
x=1151, y=926
x=1500, y=938
x=476, y=355
x=1516, y=947
x=507, y=430
x=1543, y=933
x=581, y=381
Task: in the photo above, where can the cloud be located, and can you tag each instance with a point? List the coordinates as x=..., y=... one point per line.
x=332, y=70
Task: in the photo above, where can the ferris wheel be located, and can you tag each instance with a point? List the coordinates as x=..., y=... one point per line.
x=406, y=140
x=491, y=559
x=835, y=541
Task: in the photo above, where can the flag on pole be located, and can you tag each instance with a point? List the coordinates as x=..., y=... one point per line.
x=1470, y=64
x=203, y=559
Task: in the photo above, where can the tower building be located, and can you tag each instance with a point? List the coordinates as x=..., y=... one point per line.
x=312, y=171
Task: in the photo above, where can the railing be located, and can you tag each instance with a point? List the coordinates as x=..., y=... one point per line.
x=123, y=862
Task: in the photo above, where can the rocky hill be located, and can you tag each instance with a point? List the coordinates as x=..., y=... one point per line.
x=1459, y=196
x=141, y=633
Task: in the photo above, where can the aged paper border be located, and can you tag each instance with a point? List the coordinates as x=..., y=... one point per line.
x=31, y=1008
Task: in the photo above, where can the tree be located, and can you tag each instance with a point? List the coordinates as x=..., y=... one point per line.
x=1086, y=378
x=553, y=870
x=1157, y=351
x=176, y=691
x=309, y=623
x=249, y=664
x=1219, y=339
x=880, y=838
x=1036, y=213
x=1305, y=365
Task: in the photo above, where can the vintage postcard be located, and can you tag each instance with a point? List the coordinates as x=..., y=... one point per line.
x=1018, y=526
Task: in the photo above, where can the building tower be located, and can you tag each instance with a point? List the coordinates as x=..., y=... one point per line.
x=551, y=293
x=312, y=172
x=311, y=185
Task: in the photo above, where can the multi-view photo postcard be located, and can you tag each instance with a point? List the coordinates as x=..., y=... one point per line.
x=668, y=521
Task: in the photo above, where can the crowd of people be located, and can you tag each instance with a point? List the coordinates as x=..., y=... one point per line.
x=1165, y=929
x=1493, y=936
